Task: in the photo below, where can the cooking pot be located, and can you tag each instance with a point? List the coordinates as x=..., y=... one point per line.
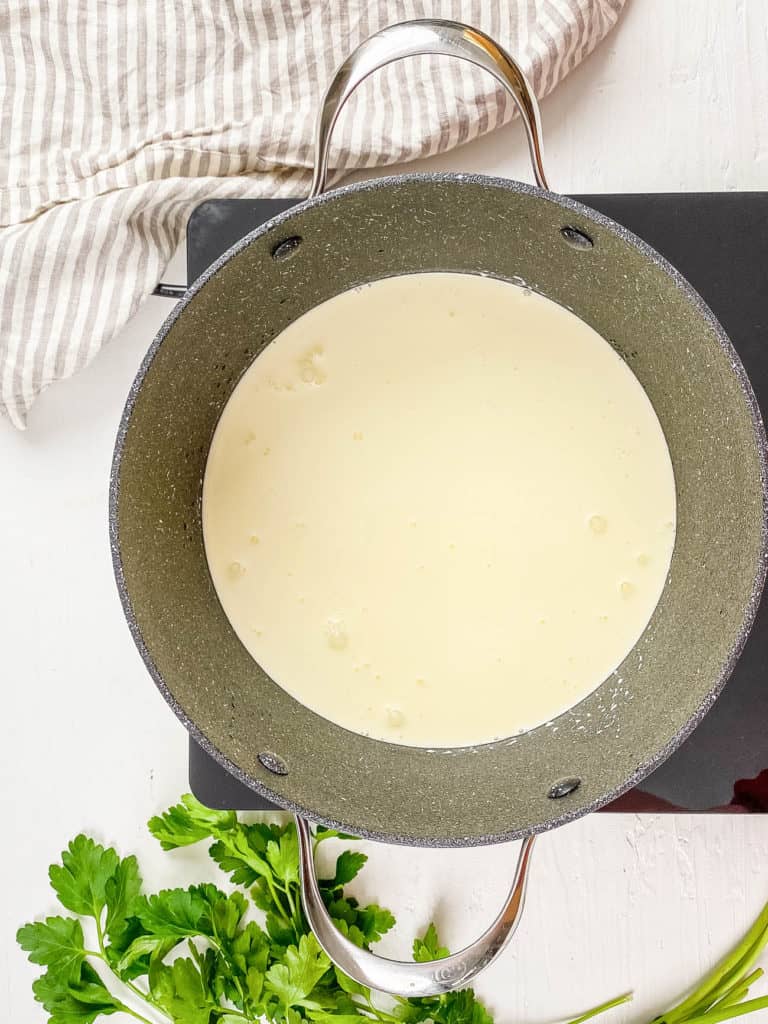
x=469, y=224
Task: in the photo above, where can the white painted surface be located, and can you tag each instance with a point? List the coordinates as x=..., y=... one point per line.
x=675, y=99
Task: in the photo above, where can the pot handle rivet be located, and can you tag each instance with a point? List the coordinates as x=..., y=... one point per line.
x=285, y=249
x=273, y=763
x=563, y=787
x=576, y=238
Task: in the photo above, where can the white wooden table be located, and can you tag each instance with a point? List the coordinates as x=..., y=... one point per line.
x=674, y=100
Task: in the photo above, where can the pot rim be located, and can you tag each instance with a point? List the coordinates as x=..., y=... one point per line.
x=590, y=216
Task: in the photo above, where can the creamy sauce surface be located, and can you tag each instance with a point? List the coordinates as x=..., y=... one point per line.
x=439, y=509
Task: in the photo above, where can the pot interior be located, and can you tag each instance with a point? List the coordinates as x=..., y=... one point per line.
x=704, y=404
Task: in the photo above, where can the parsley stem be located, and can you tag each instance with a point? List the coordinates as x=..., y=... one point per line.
x=291, y=904
x=276, y=900
x=133, y=1013
x=603, y=1007
x=381, y=1015
x=220, y=949
x=145, y=996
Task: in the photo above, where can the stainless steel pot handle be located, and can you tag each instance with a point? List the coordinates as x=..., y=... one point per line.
x=400, y=977
x=411, y=39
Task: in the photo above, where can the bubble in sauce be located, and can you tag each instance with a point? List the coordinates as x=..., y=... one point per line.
x=598, y=524
x=336, y=634
x=643, y=560
x=310, y=370
x=277, y=385
x=395, y=717
x=357, y=436
x=235, y=570
x=627, y=588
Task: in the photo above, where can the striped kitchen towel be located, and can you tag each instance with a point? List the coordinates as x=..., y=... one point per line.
x=117, y=118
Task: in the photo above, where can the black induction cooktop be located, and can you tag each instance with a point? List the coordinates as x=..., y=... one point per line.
x=720, y=243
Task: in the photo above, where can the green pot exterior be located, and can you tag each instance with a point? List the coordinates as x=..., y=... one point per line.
x=695, y=381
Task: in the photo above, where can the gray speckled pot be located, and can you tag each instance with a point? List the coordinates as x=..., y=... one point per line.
x=653, y=318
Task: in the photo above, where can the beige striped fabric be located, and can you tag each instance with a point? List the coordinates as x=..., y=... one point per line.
x=118, y=117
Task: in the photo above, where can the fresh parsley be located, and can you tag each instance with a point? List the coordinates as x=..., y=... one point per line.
x=204, y=956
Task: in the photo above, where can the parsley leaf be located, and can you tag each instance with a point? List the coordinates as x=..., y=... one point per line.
x=353, y=988
x=412, y=1011
x=283, y=857
x=374, y=921
x=75, y=1003
x=178, y=988
x=323, y=1017
x=322, y=832
x=461, y=1008
x=262, y=897
x=135, y=960
x=348, y=866
x=225, y=914
x=293, y=980
x=56, y=943
x=428, y=947
x=173, y=913
x=344, y=908
x=80, y=881
x=249, y=950
x=198, y=910
x=234, y=970
x=281, y=932
x=243, y=854
x=450, y=1008
x=121, y=891
x=188, y=822
x=363, y=925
